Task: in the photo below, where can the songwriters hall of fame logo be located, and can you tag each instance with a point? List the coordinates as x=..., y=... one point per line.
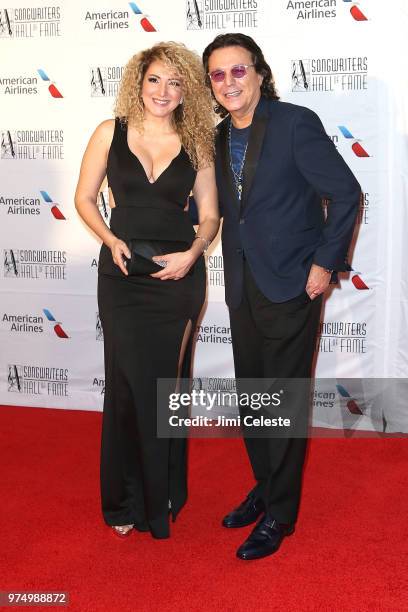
x=11, y=262
x=105, y=80
x=98, y=328
x=37, y=380
x=8, y=145
x=215, y=270
x=31, y=145
x=342, y=337
x=14, y=378
x=103, y=205
x=329, y=74
x=221, y=14
x=30, y=22
x=31, y=264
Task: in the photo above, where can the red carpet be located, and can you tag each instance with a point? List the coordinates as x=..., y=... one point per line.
x=349, y=551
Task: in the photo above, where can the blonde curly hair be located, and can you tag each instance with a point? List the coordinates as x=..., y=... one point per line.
x=194, y=119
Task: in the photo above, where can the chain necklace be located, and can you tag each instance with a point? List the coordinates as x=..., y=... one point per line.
x=238, y=176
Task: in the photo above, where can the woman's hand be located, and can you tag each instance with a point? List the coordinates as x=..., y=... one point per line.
x=177, y=265
x=119, y=250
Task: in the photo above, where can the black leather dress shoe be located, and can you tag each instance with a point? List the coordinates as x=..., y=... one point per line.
x=246, y=513
x=265, y=539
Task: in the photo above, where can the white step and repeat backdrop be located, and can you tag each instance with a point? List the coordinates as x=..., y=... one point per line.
x=60, y=66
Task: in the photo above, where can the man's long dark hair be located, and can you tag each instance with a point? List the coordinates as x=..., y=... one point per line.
x=261, y=66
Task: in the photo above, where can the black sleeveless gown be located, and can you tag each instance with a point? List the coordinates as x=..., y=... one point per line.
x=144, y=320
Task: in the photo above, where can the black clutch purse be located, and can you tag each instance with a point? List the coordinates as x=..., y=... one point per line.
x=142, y=251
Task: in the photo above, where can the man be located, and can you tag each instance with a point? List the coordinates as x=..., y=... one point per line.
x=275, y=164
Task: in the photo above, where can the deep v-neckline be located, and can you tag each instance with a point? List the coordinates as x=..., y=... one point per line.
x=142, y=166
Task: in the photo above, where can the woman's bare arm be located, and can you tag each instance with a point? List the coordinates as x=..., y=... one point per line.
x=92, y=173
x=206, y=197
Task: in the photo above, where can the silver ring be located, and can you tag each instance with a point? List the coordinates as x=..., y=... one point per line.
x=161, y=262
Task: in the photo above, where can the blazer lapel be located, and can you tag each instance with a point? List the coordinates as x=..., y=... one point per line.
x=224, y=157
x=255, y=142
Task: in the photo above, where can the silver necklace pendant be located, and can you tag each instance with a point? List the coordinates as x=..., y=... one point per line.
x=238, y=177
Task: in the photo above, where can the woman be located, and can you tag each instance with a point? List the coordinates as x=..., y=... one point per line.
x=158, y=149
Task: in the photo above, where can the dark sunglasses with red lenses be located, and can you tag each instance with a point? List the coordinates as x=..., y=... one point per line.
x=238, y=71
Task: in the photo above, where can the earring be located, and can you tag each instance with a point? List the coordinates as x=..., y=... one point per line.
x=181, y=101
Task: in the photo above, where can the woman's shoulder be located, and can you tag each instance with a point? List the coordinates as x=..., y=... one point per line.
x=106, y=127
x=103, y=133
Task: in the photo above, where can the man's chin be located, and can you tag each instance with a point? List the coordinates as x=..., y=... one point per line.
x=232, y=107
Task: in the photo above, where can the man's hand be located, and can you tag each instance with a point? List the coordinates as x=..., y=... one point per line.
x=318, y=281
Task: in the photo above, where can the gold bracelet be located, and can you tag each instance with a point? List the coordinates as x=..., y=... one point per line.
x=206, y=242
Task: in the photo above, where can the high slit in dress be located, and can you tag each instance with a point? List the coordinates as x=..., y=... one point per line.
x=144, y=320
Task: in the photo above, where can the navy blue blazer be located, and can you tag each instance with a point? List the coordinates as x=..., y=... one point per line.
x=290, y=166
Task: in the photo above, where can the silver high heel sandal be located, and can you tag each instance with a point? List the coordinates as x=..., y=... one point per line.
x=122, y=531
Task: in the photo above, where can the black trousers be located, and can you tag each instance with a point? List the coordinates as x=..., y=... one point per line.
x=275, y=340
